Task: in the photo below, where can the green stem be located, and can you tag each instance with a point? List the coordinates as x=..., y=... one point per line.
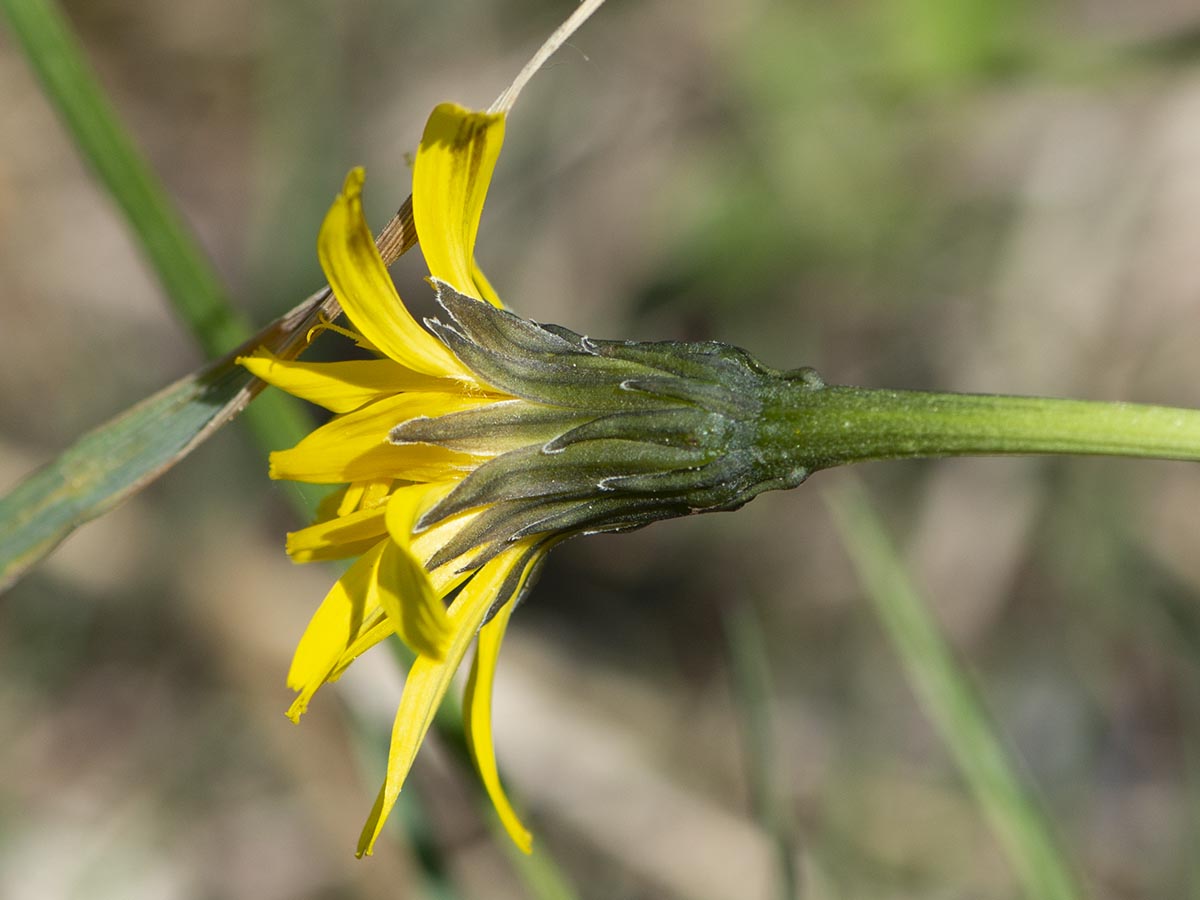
x=828, y=426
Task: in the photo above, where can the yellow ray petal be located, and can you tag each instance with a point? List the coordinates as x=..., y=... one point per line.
x=352, y=498
x=342, y=386
x=380, y=626
x=444, y=579
x=338, y=538
x=354, y=446
x=454, y=166
x=412, y=603
x=375, y=492
x=363, y=287
x=374, y=630
x=428, y=680
x=477, y=723
x=335, y=625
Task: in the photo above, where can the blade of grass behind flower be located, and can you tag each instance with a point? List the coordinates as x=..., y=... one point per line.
x=68, y=82
x=123, y=455
x=188, y=279
x=120, y=457
x=951, y=702
x=751, y=677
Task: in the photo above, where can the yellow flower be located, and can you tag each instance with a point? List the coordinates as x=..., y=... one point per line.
x=388, y=589
x=470, y=451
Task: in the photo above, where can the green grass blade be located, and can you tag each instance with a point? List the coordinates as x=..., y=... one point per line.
x=750, y=674
x=181, y=266
x=949, y=699
x=115, y=460
x=70, y=85
x=122, y=456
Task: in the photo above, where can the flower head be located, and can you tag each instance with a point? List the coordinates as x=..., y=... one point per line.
x=471, y=448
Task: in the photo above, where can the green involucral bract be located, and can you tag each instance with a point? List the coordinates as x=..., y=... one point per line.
x=602, y=435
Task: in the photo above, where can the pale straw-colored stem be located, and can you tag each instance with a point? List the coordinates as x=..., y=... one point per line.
x=560, y=36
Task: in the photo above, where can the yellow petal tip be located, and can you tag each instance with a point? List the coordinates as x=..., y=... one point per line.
x=353, y=185
x=299, y=705
x=366, y=841
x=258, y=363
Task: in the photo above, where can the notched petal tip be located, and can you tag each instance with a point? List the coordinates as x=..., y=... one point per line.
x=273, y=471
x=298, y=708
x=373, y=826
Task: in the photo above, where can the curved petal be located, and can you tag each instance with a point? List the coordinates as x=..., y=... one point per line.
x=336, y=624
x=352, y=498
x=410, y=599
x=354, y=446
x=453, y=168
x=341, y=386
x=380, y=626
x=477, y=723
x=337, y=537
x=428, y=679
x=361, y=282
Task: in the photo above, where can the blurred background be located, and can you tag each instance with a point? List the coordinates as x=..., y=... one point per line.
x=974, y=195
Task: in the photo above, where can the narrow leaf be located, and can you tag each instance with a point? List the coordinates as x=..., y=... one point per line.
x=949, y=698
x=110, y=463
x=751, y=682
x=189, y=280
x=119, y=458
